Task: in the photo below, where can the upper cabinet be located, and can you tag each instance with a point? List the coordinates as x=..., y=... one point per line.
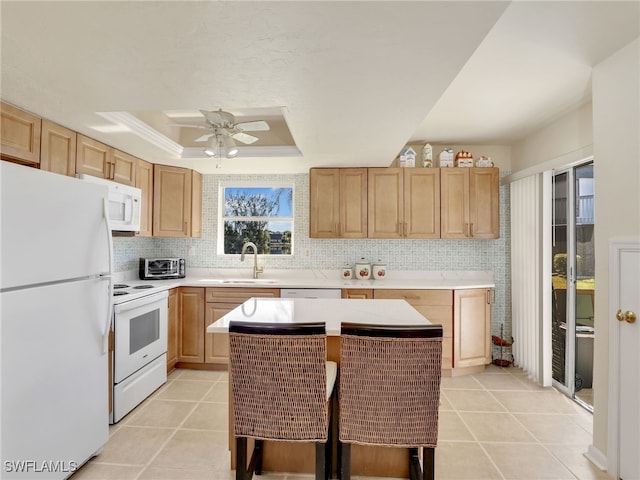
x=20, y=135
x=338, y=203
x=144, y=181
x=177, y=202
x=100, y=160
x=470, y=202
x=404, y=203
x=58, y=149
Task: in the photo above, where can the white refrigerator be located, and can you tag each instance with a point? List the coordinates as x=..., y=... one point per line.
x=55, y=315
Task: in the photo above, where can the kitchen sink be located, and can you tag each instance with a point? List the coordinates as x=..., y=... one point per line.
x=251, y=281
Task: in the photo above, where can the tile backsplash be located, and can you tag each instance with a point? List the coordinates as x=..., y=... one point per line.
x=326, y=254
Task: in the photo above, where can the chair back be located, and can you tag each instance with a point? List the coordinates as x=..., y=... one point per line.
x=390, y=385
x=278, y=381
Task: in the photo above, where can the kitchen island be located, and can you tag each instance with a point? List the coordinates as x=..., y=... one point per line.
x=300, y=457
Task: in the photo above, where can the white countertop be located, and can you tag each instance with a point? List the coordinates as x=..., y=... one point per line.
x=401, y=280
x=331, y=312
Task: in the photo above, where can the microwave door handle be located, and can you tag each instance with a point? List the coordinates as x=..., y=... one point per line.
x=109, y=277
x=128, y=210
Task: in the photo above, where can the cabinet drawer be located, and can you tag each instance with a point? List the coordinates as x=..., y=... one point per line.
x=419, y=297
x=239, y=295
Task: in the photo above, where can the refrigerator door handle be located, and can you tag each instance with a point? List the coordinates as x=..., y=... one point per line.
x=109, y=277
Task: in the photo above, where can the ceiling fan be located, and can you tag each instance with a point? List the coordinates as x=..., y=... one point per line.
x=223, y=125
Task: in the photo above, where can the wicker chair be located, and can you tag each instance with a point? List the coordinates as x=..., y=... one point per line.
x=281, y=385
x=389, y=392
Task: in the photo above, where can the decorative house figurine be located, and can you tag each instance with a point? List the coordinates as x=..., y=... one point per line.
x=484, y=162
x=427, y=156
x=446, y=157
x=464, y=159
x=408, y=157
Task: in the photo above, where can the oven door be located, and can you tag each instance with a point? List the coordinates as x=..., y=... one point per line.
x=140, y=328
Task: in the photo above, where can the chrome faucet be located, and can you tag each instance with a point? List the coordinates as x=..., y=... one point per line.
x=256, y=269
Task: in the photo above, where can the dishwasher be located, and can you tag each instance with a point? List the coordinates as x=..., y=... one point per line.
x=310, y=293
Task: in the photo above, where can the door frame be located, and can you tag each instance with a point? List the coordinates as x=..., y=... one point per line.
x=616, y=246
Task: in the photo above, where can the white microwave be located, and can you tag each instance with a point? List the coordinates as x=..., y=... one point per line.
x=125, y=204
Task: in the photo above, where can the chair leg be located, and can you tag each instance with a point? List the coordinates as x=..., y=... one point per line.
x=321, y=465
x=428, y=463
x=345, y=460
x=258, y=452
x=415, y=472
x=241, y=458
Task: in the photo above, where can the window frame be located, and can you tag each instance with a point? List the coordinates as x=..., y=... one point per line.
x=221, y=218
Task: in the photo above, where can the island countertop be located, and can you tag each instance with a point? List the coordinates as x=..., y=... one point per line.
x=332, y=312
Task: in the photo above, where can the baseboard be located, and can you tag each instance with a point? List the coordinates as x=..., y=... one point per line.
x=596, y=457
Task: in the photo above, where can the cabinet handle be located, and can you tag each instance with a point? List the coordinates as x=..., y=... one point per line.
x=411, y=297
x=186, y=232
x=491, y=296
x=405, y=229
x=112, y=170
x=471, y=229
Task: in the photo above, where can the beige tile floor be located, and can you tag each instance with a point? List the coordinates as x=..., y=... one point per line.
x=494, y=425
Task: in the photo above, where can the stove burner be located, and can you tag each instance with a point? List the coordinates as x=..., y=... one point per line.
x=117, y=294
x=120, y=285
x=142, y=287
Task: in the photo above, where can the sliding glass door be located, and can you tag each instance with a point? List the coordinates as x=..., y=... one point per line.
x=573, y=285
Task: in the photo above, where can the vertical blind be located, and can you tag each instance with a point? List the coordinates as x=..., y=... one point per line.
x=526, y=274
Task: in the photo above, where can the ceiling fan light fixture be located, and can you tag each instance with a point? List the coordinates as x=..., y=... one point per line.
x=230, y=147
x=211, y=149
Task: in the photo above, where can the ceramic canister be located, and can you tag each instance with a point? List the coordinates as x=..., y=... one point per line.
x=363, y=269
x=379, y=270
x=347, y=272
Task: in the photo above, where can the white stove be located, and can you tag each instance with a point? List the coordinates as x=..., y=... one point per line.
x=140, y=315
x=131, y=290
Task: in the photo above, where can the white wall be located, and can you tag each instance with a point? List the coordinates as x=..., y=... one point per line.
x=558, y=140
x=616, y=142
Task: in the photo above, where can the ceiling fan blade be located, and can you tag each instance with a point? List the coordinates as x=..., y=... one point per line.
x=257, y=126
x=184, y=125
x=219, y=117
x=244, y=137
x=204, y=137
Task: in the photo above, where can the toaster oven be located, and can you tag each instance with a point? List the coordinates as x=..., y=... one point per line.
x=161, y=268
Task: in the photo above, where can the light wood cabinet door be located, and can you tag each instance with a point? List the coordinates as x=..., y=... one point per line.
x=172, y=333
x=196, y=204
x=171, y=201
x=20, y=135
x=454, y=196
x=422, y=202
x=144, y=181
x=338, y=203
x=58, y=149
x=191, y=325
x=124, y=168
x=358, y=293
x=472, y=327
x=484, y=203
x=470, y=202
x=324, y=202
x=93, y=157
x=216, y=345
x=386, y=203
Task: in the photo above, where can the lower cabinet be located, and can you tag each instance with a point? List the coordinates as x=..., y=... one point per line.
x=191, y=324
x=172, y=334
x=465, y=316
x=472, y=321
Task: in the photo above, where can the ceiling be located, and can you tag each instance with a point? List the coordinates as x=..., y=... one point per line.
x=340, y=83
